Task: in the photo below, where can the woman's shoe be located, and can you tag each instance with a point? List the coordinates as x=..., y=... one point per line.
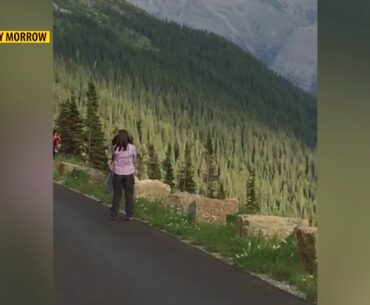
x=129, y=218
x=113, y=217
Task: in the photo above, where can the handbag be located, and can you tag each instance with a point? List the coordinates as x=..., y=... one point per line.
x=109, y=182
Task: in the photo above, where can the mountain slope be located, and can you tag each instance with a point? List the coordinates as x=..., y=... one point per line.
x=170, y=85
x=282, y=33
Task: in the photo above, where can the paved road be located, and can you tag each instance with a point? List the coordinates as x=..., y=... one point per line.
x=98, y=262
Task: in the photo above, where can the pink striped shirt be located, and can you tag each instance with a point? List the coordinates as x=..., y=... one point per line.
x=124, y=161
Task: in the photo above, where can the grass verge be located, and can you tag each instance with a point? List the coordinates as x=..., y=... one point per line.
x=278, y=259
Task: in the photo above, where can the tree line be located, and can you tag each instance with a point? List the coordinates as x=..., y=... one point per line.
x=83, y=138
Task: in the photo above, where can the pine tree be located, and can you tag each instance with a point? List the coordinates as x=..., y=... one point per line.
x=140, y=169
x=70, y=126
x=176, y=151
x=154, y=171
x=221, y=192
x=252, y=205
x=63, y=126
x=210, y=176
x=185, y=179
x=167, y=168
x=96, y=155
x=139, y=128
x=75, y=146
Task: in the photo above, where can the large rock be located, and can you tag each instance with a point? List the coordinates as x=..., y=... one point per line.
x=206, y=210
x=96, y=177
x=152, y=189
x=65, y=168
x=307, y=244
x=180, y=200
x=56, y=165
x=268, y=226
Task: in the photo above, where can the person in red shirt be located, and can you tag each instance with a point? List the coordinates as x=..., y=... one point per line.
x=57, y=142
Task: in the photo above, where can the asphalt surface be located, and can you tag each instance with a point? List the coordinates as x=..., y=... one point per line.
x=100, y=262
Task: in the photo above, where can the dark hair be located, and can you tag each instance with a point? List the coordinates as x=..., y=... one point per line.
x=121, y=140
x=114, y=141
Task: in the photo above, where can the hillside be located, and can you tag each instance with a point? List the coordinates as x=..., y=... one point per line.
x=281, y=33
x=168, y=85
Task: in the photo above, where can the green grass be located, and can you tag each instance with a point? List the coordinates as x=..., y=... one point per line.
x=278, y=259
x=70, y=159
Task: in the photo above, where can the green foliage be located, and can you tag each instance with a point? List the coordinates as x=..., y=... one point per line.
x=252, y=205
x=177, y=151
x=62, y=123
x=154, y=171
x=210, y=176
x=96, y=154
x=221, y=192
x=184, y=85
x=168, y=169
x=185, y=178
x=70, y=127
x=140, y=168
x=139, y=127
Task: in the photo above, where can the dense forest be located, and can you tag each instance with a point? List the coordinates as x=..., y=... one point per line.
x=178, y=89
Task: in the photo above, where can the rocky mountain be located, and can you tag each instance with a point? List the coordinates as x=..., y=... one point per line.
x=281, y=33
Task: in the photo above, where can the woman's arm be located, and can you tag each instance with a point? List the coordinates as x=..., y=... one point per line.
x=134, y=155
x=112, y=157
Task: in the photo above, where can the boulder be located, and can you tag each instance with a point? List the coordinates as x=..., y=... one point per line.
x=207, y=210
x=56, y=165
x=152, y=189
x=65, y=168
x=268, y=226
x=96, y=177
x=307, y=245
x=180, y=200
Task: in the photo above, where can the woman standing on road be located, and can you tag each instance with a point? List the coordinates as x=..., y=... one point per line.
x=123, y=167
